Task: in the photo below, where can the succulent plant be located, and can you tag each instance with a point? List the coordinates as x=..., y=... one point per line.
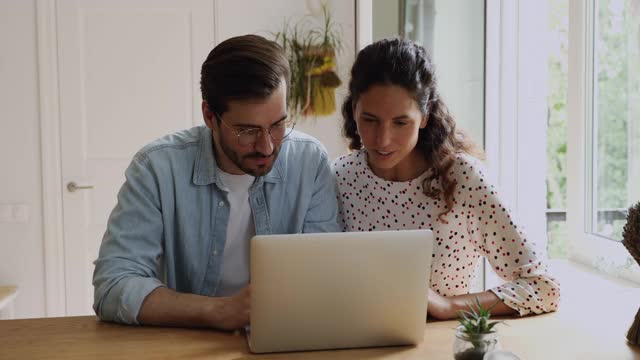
x=475, y=325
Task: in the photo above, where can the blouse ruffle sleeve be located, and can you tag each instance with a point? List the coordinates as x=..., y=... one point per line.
x=529, y=287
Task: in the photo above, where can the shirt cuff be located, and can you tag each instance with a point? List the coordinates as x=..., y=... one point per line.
x=134, y=291
x=510, y=301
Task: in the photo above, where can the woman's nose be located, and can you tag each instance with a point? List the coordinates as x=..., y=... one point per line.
x=383, y=136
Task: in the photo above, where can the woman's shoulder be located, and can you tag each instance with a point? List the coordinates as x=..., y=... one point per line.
x=466, y=167
x=353, y=160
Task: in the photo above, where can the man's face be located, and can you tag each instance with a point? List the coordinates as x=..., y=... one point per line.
x=257, y=158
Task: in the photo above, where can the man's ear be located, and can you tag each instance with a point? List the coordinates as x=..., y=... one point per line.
x=207, y=115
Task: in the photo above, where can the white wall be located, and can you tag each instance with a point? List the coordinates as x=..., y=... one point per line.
x=21, y=245
x=458, y=54
x=386, y=19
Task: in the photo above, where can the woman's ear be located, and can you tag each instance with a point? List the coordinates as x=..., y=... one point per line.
x=424, y=121
x=353, y=114
x=427, y=112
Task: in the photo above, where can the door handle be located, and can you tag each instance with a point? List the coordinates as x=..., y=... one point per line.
x=73, y=187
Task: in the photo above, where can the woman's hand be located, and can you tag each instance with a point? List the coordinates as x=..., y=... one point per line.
x=440, y=307
x=446, y=308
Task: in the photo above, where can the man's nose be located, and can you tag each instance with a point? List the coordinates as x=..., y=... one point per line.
x=264, y=143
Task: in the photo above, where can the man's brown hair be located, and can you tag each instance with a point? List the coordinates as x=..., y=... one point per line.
x=242, y=67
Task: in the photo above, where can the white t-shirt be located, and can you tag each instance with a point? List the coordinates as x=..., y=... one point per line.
x=240, y=230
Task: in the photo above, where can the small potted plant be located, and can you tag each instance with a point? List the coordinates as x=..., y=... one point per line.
x=475, y=335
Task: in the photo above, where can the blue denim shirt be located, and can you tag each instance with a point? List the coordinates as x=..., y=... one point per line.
x=170, y=223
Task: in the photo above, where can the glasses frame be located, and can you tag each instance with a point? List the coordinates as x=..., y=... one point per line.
x=260, y=130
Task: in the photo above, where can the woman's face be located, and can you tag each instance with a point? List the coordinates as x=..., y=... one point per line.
x=388, y=120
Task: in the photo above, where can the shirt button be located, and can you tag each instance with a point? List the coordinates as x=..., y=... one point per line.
x=215, y=252
x=221, y=204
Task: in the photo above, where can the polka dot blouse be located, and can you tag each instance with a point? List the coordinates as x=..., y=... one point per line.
x=478, y=225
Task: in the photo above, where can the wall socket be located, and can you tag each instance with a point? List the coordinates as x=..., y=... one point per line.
x=14, y=213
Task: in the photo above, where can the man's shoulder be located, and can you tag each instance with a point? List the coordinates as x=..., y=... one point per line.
x=172, y=144
x=303, y=145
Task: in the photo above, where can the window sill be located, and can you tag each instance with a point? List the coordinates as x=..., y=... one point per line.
x=578, y=280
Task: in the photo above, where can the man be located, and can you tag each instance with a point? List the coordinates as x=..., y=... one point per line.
x=176, y=249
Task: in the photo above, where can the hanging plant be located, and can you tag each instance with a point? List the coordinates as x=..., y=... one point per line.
x=312, y=55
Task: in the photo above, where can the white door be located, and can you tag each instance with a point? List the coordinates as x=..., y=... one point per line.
x=128, y=74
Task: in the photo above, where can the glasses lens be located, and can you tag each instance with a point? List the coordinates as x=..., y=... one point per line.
x=282, y=131
x=278, y=132
x=248, y=137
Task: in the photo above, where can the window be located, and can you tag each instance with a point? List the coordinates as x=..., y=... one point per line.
x=557, y=118
x=603, y=136
x=615, y=123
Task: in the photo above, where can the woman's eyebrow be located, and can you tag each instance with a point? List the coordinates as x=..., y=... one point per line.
x=369, y=115
x=399, y=117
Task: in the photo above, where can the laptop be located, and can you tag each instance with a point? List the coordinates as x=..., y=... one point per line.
x=338, y=290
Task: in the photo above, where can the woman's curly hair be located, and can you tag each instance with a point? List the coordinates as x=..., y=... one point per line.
x=404, y=63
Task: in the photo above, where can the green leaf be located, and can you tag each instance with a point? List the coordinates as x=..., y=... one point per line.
x=475, y=321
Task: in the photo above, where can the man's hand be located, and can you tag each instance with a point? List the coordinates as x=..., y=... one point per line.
x=233, y=313
x=167, y=307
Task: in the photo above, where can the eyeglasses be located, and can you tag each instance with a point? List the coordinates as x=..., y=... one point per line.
x=277, y=131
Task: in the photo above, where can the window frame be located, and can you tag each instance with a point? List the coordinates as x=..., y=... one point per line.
x=515, y=114
x=584, y=246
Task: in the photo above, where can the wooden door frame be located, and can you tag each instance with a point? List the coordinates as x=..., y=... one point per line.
x=51, y=160
x=57, y=286
x=364, y=23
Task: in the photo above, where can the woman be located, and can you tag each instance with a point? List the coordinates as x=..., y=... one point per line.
x=412, y=169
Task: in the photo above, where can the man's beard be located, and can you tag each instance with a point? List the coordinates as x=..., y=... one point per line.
x=240, y=163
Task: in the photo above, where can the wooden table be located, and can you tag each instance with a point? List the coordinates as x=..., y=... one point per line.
x=591, y=324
